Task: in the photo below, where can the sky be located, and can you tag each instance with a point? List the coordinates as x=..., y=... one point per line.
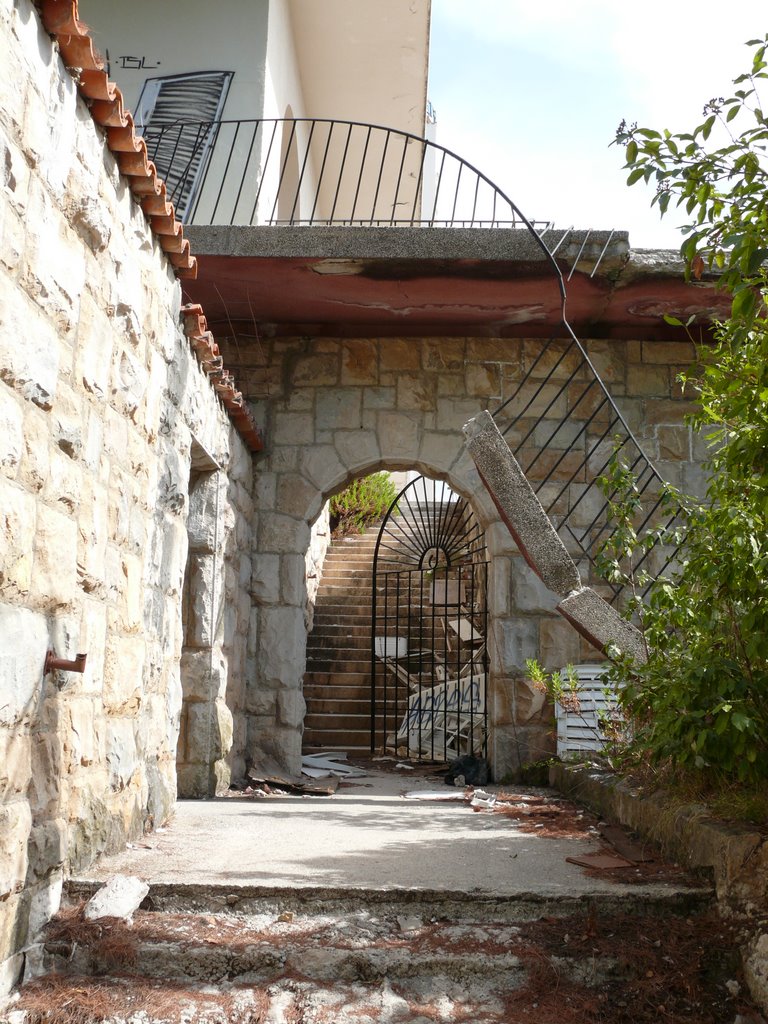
x=531, y=92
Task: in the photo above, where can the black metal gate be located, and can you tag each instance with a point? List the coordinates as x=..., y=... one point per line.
x=429, y=662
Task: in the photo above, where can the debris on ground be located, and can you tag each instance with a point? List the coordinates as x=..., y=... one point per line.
x=432, y=795
x=328, y=764
x=482, y=801
x=119, y=897
x=394, y=963
x=473, y=771
x=600, y=859
x=267, y=783
x=320, y=776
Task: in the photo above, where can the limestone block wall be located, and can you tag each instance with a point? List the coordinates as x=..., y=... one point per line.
x=319, y=542
x=101, y=404
x=341, y=408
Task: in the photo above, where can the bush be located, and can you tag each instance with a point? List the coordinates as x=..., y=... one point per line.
x=362, y=503
x=699, y=703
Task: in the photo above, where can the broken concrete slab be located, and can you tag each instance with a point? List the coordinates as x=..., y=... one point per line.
x=600, y=860
x=600, y=624
x=119, y=897
x=518, y=506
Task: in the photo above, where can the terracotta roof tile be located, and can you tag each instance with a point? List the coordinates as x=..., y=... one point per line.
x=105, y=100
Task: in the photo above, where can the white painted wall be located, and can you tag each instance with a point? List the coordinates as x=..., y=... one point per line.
x=176, y=38
x=339, y=59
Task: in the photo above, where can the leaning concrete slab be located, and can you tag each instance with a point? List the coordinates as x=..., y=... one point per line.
x=518, y=506
x=601, y=624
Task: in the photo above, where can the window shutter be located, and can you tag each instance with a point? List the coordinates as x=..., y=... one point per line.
x=177, y=116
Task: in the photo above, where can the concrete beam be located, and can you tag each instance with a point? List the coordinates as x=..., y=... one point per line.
x=522, y=514
x=518, y=506
x=600, y=624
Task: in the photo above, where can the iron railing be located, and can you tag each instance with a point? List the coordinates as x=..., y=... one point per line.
x=561, y=421
x=565, y=430
x=321, y=172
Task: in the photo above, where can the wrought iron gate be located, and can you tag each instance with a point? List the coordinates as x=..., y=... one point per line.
x=429, y=663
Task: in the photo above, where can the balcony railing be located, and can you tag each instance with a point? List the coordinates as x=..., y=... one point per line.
x=561, y=421
x=321, y=172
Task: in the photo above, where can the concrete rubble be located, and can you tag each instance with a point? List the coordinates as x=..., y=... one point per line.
x=120, y=897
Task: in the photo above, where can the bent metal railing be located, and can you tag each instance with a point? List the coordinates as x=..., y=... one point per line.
x=560, y=420
x=320, y=172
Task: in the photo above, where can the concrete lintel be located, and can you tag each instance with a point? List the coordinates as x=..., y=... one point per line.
x=600, y=623
x=518, y=506
x=377, y=243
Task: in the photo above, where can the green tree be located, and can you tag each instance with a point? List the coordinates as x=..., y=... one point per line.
x=701, y=701
x=722, y=187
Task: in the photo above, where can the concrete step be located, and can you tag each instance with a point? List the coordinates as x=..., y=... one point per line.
x=353, y=703
x=329, y=738
x=244, y=954
x=337, y=663
x=332, y=630
x=346, y=721
x=330, y=616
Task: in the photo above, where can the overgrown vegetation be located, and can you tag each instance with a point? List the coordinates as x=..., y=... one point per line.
x=607, y=725
x=700, y=703
x=362, y=503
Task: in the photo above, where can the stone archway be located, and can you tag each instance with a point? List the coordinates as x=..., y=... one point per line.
x=342, y=408
x=276, y=704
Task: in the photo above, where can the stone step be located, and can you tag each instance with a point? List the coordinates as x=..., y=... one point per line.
x=335, y=663
x=350, y=703
x=329, y=738
x=208, y=952
x=349, y=722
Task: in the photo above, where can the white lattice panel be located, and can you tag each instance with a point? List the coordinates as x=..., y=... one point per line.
x=579, y=732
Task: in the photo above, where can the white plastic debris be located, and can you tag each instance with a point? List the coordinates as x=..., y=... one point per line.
x=435, y=794
x=482, y=799
x=120, y=897
x=409, y=924
x=326, y=765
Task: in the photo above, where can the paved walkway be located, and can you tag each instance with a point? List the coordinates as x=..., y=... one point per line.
x=369, y=835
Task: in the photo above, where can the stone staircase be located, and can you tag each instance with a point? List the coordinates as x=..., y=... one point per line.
x=248, y=956
x=337, y=682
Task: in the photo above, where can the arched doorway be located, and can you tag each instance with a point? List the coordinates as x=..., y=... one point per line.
x=429, y=624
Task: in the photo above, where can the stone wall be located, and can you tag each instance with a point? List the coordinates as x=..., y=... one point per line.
x=342, y=408
x=101, y=405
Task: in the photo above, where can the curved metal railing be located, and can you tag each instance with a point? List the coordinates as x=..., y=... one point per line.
x=321, y=172
x=561, y=421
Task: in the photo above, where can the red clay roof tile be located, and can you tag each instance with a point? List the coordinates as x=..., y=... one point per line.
x=61, y=20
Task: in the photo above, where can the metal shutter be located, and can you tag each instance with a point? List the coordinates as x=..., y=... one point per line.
x=177, y=116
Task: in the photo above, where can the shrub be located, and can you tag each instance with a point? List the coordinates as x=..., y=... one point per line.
x=362, y=503
x=699, y=703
